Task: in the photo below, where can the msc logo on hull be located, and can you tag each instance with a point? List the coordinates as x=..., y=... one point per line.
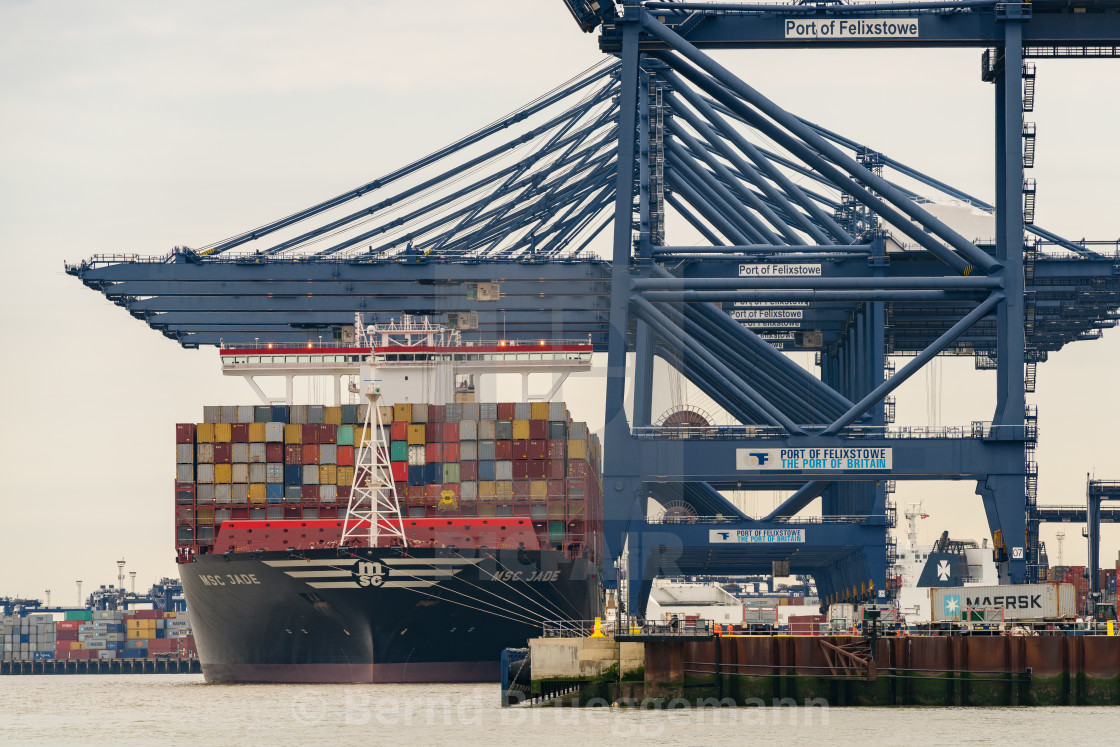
x=367, y=573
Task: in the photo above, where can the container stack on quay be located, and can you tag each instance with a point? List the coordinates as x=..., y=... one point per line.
x=1075, y=574
x=96, y=634
x=273, y=462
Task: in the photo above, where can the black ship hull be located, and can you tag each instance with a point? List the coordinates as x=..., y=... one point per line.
x=382, y=615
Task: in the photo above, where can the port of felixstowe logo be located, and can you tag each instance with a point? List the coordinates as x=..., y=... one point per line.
x=383, y=573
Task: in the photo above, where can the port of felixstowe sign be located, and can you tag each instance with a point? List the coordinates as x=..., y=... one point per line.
x=756, y=536
x=802, y=460
x=841, y=29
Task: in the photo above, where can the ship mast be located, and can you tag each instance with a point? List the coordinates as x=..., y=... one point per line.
x=373, y=511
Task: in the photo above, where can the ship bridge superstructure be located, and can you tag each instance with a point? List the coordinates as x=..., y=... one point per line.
x=738, y=231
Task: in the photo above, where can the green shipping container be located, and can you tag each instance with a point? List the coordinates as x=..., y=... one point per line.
x=345, y=435
x=398, y=451
x=450, y=472
x=79, y=614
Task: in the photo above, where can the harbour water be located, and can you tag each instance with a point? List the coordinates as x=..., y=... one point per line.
x=141, y=709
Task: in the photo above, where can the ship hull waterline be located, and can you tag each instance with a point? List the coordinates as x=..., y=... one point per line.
x=384, y=615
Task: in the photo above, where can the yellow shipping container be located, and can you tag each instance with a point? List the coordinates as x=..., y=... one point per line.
x=361, y=434
x=77, y=646
x=223, y=433
x=328, y=474
x=204, y=434
x=538, y=490
x=503, y=489
x=293, y=434
x=538, y=410
x=170, y=615
x=256, y=433
x=223, y=473
x=332, y=415
x=556, y=512
x=386, y=414
x=486, y=490
x=416, y=434
x=521, y=430
x=345, y=476
x=486, y=509
x=257, y=492
x=402, y=411
x=577, y=448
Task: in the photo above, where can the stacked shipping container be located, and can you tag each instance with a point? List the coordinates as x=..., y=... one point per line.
x=463, y=459
x=96, y=634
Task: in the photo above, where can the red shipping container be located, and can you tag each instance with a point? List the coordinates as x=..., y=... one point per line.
x=521, y=490
x=538, y=468
x=556, y=489
x=437, y=413
x=451, y=451
x=61, y=645
x=398, y=431
x=310, y=454
x=468, y=471
x=402, y=487
x=556, y=469
x=538, y=449
x=399, y=471
x=523, y=509
x=293, y=454
x=274, y=453
x=506, y=410
x=433, y=434
x=66, y=635
x=538, y=429
x=450, y=433
x=578, y=468
x=239, y=433
x=521, y=470
x=309, y=493
x=222, y=453
x=433, y=453
x=415, y=495
x=311, y=434
x=431, y=493
x=503, y=450
x=328, y=434
x=558, y=449
x=184, y=433
x=520, y=449
x=331, y=512
x=67, y=625
x=344, y=456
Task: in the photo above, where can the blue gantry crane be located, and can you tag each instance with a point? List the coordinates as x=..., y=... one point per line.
x=810, y=241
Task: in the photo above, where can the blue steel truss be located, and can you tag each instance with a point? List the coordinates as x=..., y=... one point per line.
x=810, y=241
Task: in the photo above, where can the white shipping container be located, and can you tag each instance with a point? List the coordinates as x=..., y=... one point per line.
x=1019, y=602
x=184, y=453
x=417, y=456
x=274, y=432
x=256, y=454
x=206, y=473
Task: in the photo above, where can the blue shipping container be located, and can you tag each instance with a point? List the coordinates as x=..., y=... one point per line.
x=415, y=474
x=274, y=491
x=486, y=471
x=132, y=653
x=433, y=472
x=40, y=655
x=281, y=414
x=24, y=638
x=293, y=474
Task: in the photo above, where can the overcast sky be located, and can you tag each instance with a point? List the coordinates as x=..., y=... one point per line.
x=132, y=127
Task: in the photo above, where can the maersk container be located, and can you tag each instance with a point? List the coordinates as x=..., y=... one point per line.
x=1019, y=602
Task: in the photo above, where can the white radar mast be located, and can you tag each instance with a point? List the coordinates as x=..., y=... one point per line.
x=374, y=511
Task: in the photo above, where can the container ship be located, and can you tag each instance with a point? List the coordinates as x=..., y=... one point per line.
x=375, y=542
